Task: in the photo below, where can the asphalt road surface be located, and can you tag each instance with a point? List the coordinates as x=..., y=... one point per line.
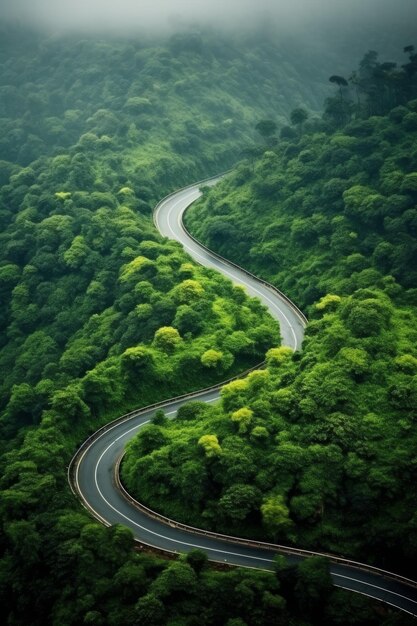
x=92, y=469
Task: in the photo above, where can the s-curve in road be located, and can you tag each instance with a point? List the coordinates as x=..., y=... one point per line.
x=168, y=219
x=92, y=470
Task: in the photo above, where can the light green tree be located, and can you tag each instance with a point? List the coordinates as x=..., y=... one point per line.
x=211, y=358
x=211, y=445
x=167, y=339
x=242, y=417
x=276, y=515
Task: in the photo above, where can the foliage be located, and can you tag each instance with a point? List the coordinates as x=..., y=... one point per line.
x=93, y=132
x=328, y=437
x=96, y=308
x=323, y=441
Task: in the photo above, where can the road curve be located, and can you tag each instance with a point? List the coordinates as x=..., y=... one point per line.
x=92, y=469
x=168, y=219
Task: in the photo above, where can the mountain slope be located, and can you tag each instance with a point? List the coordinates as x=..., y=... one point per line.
x=329, y=217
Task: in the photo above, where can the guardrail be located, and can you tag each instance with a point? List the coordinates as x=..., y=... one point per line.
x=198, y=531
x=295, y=308
x=287, y=550
x=199, y=183
x=282, y=295
x=157, y=405
x=137, y=412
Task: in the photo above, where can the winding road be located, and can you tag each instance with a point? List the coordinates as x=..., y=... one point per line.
x=94, y=480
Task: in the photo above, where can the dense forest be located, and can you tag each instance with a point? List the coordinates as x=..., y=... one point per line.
x=97, y=310
x=322, y=443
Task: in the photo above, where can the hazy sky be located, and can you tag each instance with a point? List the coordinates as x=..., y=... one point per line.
x=139, y=14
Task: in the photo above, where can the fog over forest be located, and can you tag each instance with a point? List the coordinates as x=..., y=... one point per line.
x=160, y=14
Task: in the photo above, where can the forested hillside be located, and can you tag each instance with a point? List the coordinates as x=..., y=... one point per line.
x=99, y=314
x=168, y=105
x=321, y=445
x=331, y=206
x=97, y=311
x=84, y=276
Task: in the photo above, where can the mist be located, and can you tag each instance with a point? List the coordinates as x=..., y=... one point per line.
x=162, y=15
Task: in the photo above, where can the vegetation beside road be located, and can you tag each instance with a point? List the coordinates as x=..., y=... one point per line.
x=322, y=444
x=97, y=311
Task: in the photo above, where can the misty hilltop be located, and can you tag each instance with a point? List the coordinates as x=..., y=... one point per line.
x=160, y=15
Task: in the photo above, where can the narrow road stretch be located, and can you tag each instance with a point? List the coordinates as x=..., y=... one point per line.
x=92, y=470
